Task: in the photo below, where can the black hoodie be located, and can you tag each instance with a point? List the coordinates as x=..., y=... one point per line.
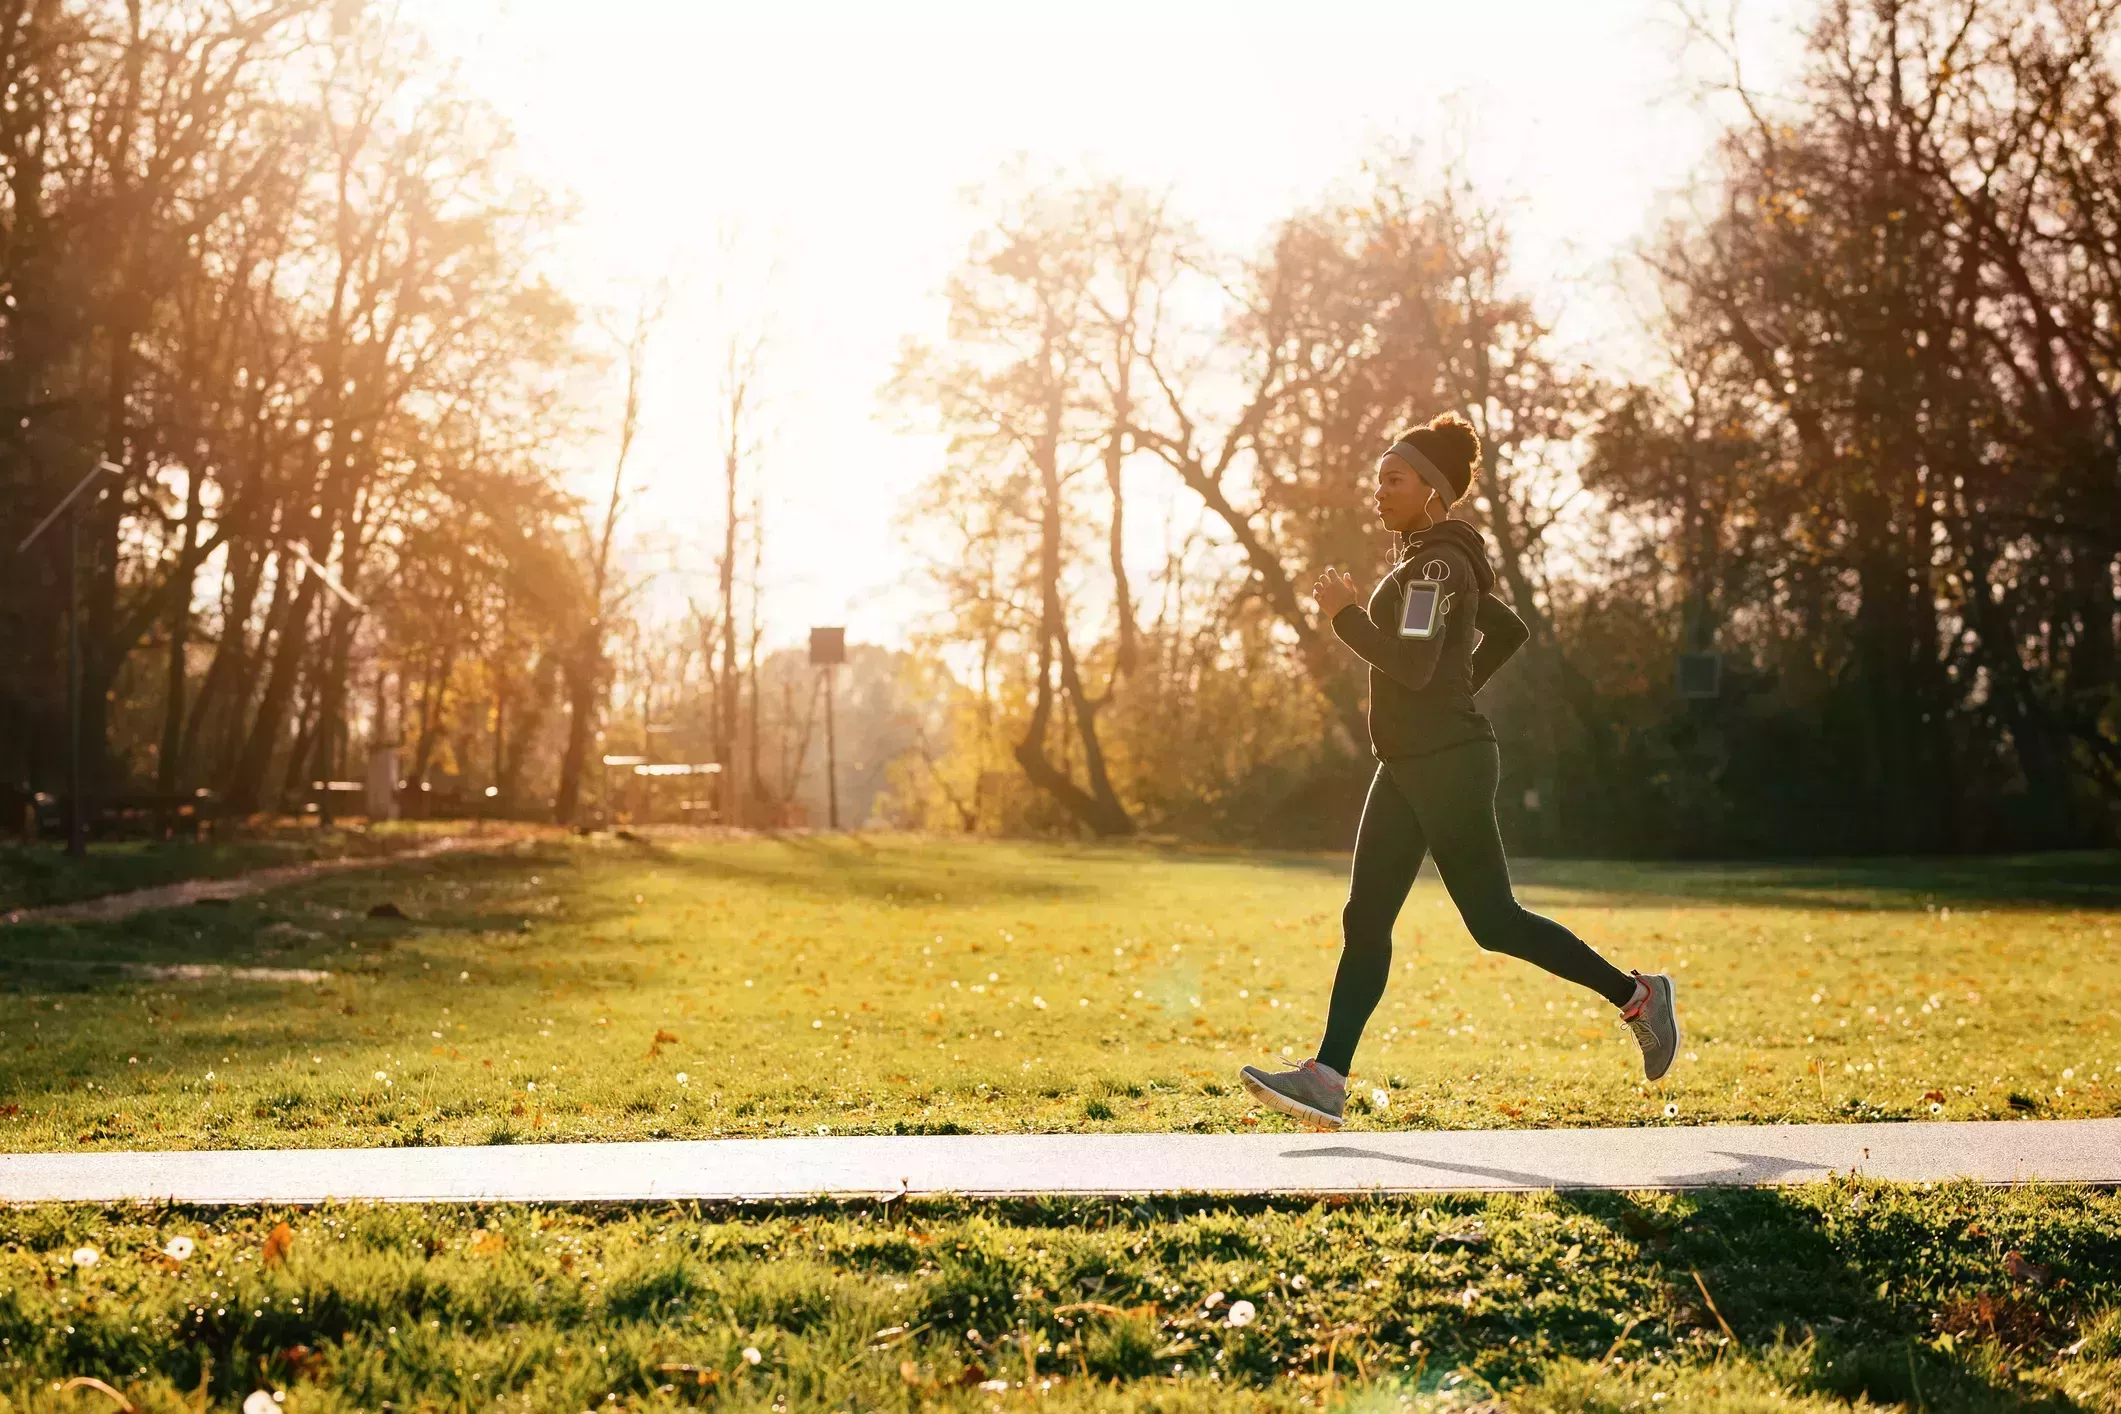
x=1421, y=689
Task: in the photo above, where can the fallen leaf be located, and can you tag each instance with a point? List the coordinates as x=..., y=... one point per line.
x=704, y=1375
x=909, y=1372
x=662, y=1038
x=1643, y=1230
x=2033, y=1273
x=125, y=1406
x=1935, y=1097
x=277, y=1244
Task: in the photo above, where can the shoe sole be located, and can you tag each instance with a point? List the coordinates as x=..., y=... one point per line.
x=1297, y=1110
x=1671, y=999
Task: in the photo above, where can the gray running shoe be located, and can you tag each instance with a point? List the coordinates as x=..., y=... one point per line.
x=1302, y=1094
x=1655, y=1022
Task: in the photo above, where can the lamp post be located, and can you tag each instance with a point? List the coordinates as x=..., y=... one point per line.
x=828, y=649
x=76, y=818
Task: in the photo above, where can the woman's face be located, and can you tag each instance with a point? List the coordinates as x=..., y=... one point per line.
x=1402, y=498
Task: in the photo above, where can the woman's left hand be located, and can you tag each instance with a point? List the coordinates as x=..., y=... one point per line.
x=1335, y=591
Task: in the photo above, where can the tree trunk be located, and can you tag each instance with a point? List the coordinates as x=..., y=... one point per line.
x=434, y=696
x=247, y=780
x=1099, y=808
x=169, y=759
x=726, y=684
x=582, y=690
x=228, y=668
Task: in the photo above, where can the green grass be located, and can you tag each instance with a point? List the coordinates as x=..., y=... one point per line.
x=598, y=989
x=1956, y=1298
x=602, y=989
x=36, y=876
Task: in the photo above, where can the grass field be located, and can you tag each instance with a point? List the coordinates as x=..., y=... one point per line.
x=1950, y=1299
x=606, y=989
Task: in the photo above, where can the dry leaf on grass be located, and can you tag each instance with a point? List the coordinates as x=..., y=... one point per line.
x=302, y=1361
x=126, y=1406
x=2029, y=1272
x=277, y=1244
x=705, y=1376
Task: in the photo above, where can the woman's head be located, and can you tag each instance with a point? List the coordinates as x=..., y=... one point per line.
x=1426, y=472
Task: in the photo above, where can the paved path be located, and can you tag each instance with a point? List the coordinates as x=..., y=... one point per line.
x=2002, y=1152
x=109, y=908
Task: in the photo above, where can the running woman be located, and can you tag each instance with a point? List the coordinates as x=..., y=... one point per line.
x=1433, y=634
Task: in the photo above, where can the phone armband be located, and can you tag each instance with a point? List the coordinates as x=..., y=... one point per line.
x=1421, y=609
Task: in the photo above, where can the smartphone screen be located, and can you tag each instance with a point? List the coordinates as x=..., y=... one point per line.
x=1417, y=615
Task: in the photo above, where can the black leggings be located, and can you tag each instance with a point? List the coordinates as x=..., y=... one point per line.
x=1442, y=804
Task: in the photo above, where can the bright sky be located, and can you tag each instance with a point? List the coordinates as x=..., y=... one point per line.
x=802, y=165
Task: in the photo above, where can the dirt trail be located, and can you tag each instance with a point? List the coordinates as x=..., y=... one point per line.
x=112, y=907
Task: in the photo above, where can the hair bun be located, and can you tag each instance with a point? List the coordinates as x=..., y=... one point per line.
x=1455, y=435
x=1449, y=441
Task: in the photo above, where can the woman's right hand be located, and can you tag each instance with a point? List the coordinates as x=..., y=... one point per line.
x=1335, y=591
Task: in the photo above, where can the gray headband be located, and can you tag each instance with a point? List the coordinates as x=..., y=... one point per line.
x=1424, y=468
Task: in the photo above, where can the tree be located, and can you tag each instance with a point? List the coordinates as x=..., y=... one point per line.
x=586, y=666
x=1031, y=346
